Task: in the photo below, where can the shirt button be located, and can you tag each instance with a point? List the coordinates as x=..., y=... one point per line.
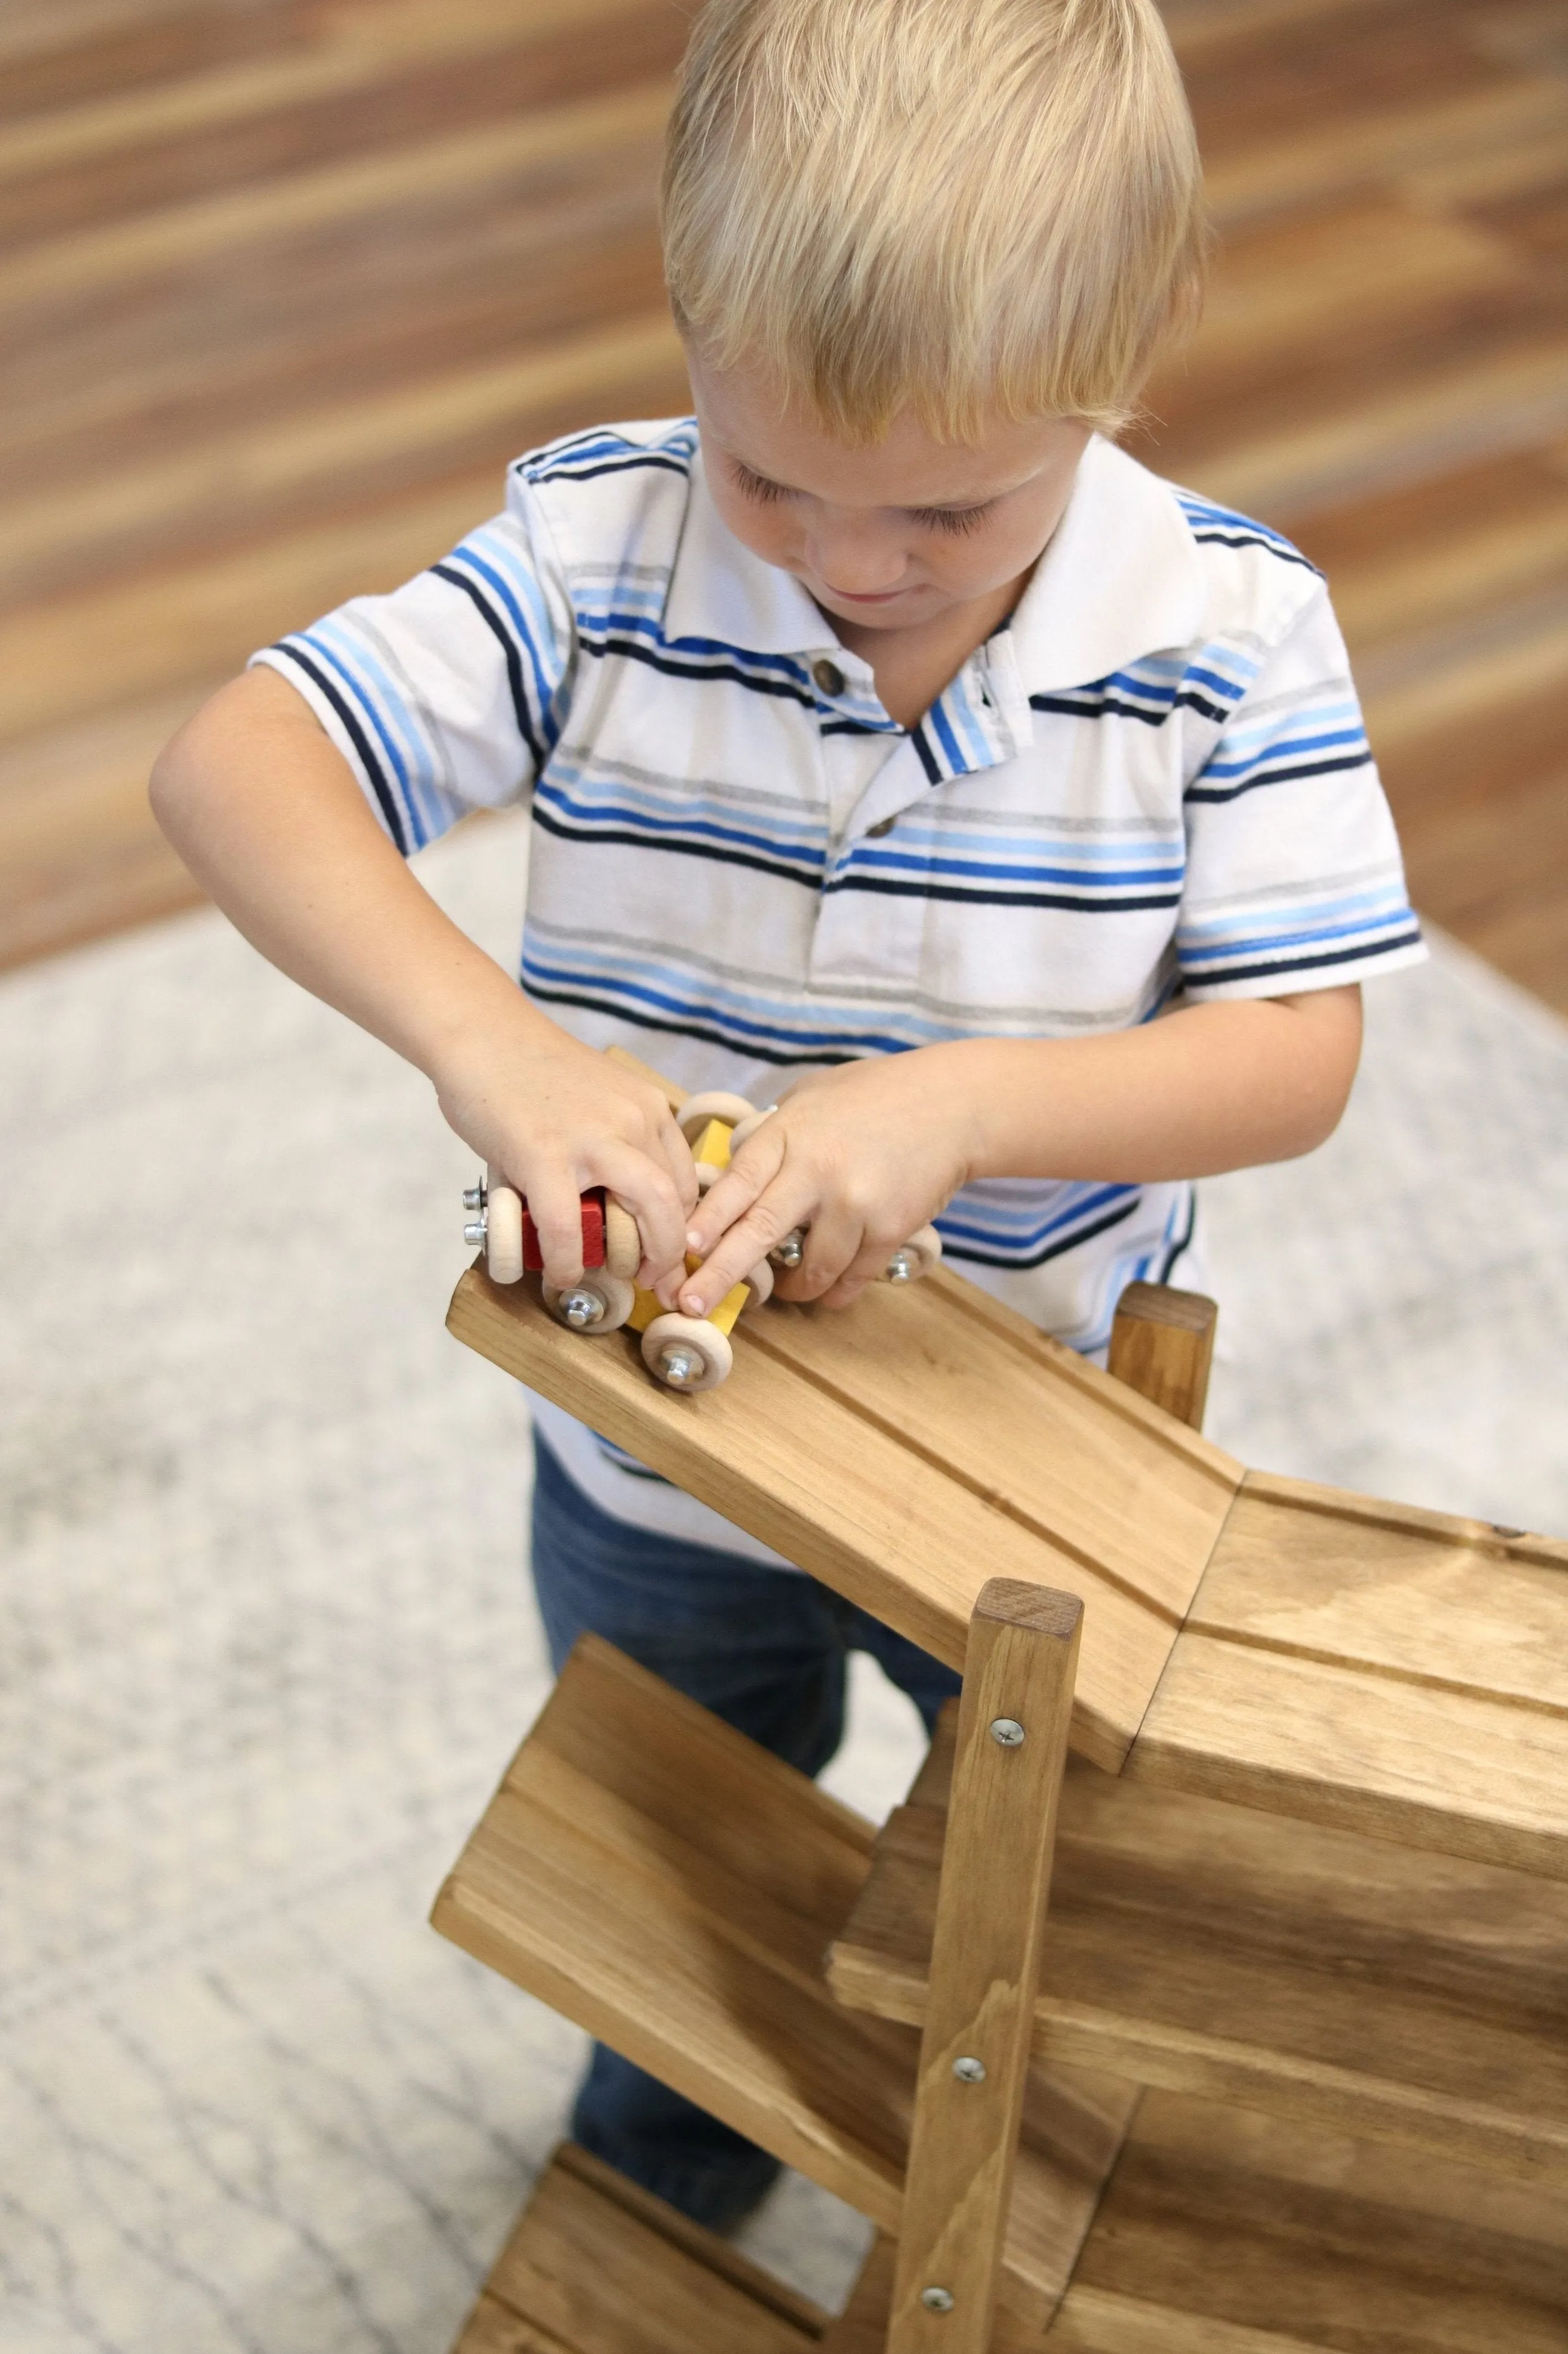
x=875, y=833
x=829, y=677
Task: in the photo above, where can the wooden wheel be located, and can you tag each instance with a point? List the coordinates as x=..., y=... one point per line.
x=503, y=1230
x=622, y=1243
x=748, y=1128
x=599, y=1302
x=917, y=1257
x=717, y=1103
x=686, y=1353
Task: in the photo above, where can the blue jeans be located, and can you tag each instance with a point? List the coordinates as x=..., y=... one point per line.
x=765, y=1649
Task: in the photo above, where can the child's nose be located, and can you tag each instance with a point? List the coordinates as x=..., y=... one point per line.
x=857, y=563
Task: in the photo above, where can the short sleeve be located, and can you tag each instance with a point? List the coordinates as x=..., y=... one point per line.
x=446, y=696
x=1294, y=876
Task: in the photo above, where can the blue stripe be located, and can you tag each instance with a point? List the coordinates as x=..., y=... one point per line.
x=703, y=829
x=544, y=685
x=628, y=840
x=1277, y=776
x=1366, y=954
x=372, y=712
x=986, y=872
x=361, y=742
x=1258, y=944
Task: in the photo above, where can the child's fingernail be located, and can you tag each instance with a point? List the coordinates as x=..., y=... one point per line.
x=692, y=1304
x=693, y=1240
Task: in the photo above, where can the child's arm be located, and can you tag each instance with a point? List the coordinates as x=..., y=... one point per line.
x=269, y=817
x=865, y=1154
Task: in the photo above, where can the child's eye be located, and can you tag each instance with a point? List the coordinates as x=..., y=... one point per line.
x=758, y=486
x=956, y=520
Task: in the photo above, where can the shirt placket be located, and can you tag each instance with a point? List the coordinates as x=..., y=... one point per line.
x=983, y=719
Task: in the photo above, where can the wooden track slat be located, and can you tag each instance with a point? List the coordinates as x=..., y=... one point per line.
x=597, y=2266
x=1228, y=2233
x=643, y=1932
x=1191, y=1945
x=838, y=1493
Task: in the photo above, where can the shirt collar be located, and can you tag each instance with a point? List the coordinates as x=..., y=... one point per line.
x=721, y=592
x=1119, y=579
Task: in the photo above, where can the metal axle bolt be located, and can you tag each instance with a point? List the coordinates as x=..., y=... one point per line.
x=968, y=2071
x=1006, y=1732
x=473, y=1197
x=581, y=1309
x=899, y=1270
x=680, y=1367
x=473, y=1233
x=936, y=2300
x=790, y=1251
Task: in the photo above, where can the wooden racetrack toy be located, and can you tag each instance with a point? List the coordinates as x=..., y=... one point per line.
x=1239, y=2031
x=686, y=1353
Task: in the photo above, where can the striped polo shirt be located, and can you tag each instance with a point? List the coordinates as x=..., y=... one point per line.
x=1152, y=782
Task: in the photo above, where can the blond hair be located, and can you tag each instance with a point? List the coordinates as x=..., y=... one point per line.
x=960, y=206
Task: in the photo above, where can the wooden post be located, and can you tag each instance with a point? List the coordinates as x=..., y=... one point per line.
x=985, y=1965
x=1162, y=1345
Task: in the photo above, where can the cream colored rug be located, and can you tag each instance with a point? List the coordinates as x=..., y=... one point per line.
x=267, y=1641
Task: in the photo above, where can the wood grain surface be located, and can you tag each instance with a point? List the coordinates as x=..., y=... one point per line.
x=1354, y=1664
x=984, y=1964
x=671, y=1887
x=1205, y=1948
x=283, y=285
x=931, y=1439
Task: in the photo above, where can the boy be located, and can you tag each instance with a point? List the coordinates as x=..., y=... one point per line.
x=895, y=747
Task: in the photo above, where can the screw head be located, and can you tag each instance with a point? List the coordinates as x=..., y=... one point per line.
x=790, y=1251
x=969, y=2070
x=898, y=1268
x=936, y=2300
x=581, y=1309
x=680, y=1366
x=1006, y=1732
x=473, y=1197
x=473, y=1233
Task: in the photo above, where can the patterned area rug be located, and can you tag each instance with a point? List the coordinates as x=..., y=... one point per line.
x=266, y=1644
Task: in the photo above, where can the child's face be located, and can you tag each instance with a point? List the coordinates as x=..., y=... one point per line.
x=892, y=536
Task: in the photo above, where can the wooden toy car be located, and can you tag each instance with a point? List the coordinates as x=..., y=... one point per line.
x=688, y=1353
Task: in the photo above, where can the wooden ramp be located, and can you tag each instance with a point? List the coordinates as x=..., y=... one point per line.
x=1262, y=1641
x=670, y=1887
x=1316, y=1974
x=674, y=1888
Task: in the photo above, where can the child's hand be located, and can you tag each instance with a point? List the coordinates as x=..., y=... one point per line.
x=860, y=1157
x=558, y=1118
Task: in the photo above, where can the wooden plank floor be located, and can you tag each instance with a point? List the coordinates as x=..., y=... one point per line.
x=283, y=283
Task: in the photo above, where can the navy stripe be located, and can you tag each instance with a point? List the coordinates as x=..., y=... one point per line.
x=1051, y=1250
x=361, y=742
x=1279, y=547
x=1181, y=1241
x=610, y=466
x=1361, y=955
x=620, y=1011
x=1277, y=776
x=686, y=849
x=507, y=644
x=790, y=689
x=1076, y=901
x=860, y=728
x=1109, y=709
x=917, y=736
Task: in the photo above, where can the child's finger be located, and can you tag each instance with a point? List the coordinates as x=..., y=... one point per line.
x=556, y=1207
x=782, y=1206
x=730, y=1196
x=649, y=1192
